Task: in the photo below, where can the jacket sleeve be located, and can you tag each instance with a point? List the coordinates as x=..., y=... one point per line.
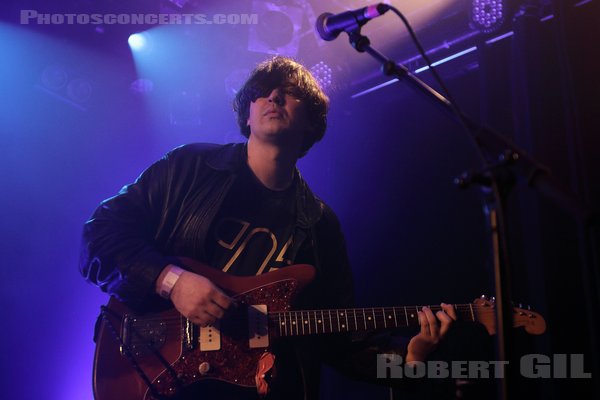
x=118, y=251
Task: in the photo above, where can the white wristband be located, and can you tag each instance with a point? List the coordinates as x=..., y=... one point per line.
x=166, y=286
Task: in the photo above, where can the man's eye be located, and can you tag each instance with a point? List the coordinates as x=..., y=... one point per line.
x=292, y=92
x=260, y=94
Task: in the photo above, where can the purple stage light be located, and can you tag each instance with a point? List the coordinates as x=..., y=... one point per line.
x=54, y=77
x=278, y=30
x=487, y=15
x=79, y=90
x=323, y=73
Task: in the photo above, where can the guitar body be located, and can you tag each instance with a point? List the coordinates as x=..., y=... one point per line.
x=114, y=376
x=175, y=358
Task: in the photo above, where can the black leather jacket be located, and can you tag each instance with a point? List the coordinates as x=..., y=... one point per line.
x=167, y=212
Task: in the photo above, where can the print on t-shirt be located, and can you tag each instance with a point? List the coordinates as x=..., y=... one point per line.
x=253, y=229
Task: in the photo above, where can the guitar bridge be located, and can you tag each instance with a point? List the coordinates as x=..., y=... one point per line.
x=143, y=336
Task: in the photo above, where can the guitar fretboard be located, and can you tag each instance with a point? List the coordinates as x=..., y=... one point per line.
x=308, y=322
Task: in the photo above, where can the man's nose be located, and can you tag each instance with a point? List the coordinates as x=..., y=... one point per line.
x=276, y=97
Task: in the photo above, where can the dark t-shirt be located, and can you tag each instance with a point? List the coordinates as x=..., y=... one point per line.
x=251, y=235
x=253, y=230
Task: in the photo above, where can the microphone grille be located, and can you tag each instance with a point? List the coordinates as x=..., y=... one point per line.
x=321, y=27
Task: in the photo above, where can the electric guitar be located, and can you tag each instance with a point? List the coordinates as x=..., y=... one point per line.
x=152, y=356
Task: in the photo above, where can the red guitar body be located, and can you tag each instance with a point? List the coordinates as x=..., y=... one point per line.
x=176, y=363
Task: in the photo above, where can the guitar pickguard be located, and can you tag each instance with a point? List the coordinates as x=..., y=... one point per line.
x=237, y=360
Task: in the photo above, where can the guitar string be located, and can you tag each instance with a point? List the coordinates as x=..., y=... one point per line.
x=378, y=313
x=459, y=307
x=275, y=320
x=369, y=311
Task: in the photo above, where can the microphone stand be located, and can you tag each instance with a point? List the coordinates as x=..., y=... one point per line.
x=501, y=158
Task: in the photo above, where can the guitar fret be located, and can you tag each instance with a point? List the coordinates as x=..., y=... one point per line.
x=364, y=318
x=286, y=323
x=384, y=321
x=472, y=314
x=280, y=329
x=330, y=323
x=355, y=322
x=374, y=318
x=321, y=324
x=406, y=316
x=307, y=321
x=395, y=318
x=347, y=323
x=296, y=322
x=283, y=326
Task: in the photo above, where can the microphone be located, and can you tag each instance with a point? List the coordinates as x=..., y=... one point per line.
x=330, y=26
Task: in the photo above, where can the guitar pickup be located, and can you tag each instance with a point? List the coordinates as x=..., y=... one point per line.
x=258, y=332
x=210, y=337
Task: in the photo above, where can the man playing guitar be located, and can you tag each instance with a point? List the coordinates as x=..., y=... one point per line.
x=243, y=209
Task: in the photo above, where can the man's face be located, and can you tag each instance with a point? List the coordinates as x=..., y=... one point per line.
x=278, y=117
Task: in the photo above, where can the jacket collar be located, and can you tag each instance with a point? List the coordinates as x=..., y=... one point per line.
x=230, y=157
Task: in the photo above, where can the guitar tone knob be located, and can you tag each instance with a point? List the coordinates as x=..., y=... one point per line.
x=203, y=368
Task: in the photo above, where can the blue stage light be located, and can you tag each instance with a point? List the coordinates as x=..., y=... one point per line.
x=137, y=41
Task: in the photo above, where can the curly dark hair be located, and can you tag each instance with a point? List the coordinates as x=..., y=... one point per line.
x=282, y=71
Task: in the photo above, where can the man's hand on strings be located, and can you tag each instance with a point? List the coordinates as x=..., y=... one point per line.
x=198, y=299
x=433, y=330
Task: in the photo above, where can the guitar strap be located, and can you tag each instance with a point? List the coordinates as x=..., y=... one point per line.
x=315, y=246
x=129, y=355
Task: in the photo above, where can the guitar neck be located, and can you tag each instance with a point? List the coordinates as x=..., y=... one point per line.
x=308, y=322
